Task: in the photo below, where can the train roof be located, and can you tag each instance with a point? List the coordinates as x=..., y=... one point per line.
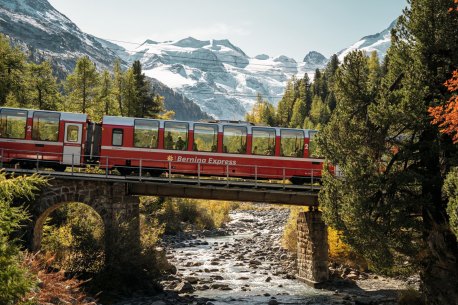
x=65, y=116
x=130, y=121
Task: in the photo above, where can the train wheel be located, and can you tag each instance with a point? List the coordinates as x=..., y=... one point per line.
x=297, y=180
x=59, y=167
x=27, y=165
x=124, y=171
x=155, y=172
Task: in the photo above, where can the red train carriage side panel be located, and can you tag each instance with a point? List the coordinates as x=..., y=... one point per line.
x=129, y=143
x=54, y=138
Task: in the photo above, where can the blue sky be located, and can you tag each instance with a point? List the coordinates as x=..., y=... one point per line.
x=274, y=27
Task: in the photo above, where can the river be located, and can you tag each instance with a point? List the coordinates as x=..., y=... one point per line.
x=249, y=266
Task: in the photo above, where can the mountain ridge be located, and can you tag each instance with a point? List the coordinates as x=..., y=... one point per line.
x=215, y=75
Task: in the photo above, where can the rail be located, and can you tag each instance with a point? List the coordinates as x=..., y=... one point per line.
x=42, y=161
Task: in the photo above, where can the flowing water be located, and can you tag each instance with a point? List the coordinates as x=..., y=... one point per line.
x=248, y=267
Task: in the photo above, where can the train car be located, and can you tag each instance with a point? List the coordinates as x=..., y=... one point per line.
x=33, y=138
x=222, y=148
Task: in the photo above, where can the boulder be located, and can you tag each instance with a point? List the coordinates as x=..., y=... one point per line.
x=184, y=287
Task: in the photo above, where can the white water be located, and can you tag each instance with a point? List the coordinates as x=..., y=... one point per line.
x=237, y=273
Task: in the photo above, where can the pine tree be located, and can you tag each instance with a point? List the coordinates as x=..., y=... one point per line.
x=320, y=113
x=286, y=104
x=390, y=205
x=298, y=114
x=129, y=93
x=12, y=70
x=81, y=86
x=144, y=99
x=43, y=92
x=305, y=93
x=15, y=280
x=106, y=101
x=118, y=85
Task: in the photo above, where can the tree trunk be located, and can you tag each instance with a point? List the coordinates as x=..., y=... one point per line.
x=440, y=273
x=440, y=264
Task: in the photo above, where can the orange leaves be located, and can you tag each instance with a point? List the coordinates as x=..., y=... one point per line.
x=454, y=8
x=446, y=116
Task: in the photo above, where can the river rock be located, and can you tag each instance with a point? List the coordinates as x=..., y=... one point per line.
x=184, y=287
x=191, y=279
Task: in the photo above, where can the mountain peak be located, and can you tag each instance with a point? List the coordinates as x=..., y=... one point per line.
x=379, y=42
x=191, y=42
x=226, y=43
x=29, y=7
x=314, y=58
x=262, y=57
x=149, y=41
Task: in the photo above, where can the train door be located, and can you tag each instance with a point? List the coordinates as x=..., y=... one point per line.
x=72, y=143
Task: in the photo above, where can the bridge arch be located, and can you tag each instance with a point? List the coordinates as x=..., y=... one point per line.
x=109, y=200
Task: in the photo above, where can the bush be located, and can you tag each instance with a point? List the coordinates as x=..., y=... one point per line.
x=176, y=215
x=15, y=279
x=74, y=234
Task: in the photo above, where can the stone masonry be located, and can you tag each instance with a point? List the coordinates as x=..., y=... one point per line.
x=312, y=248
x=118, y=211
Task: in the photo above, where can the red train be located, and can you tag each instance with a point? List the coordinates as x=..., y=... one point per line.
x=31, y=138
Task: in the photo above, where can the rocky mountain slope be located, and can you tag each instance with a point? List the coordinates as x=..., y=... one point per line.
x=219, y=76
x=212, y=76
x=46, y=34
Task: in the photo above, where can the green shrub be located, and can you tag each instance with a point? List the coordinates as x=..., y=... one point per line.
x=74, y=233
x=15, y=279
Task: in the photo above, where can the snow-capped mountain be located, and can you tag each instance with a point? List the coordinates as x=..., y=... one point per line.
x=40, y=26
x=219, y=76
x=46, y=34
x=214, y=74
x=379, y=42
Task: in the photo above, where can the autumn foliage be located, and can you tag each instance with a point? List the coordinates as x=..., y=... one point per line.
x=54, y=287
x=446, y=116
x=454, y=7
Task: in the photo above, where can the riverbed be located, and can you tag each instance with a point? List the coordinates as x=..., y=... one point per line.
x=247, y=265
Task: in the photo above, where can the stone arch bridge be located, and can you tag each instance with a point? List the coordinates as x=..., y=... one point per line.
x=116, y=201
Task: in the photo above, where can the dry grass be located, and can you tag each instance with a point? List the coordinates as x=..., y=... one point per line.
x=53, y=287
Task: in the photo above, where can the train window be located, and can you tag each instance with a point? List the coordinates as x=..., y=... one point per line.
x=175, y=135
x=205, y=137
x=234, y=139
x=116, y=139
x=313, y=150
x=13, y=123
x=263, y=141
x=292, y=143
x=146, y=133
x=45, y=126
x=72, y=133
